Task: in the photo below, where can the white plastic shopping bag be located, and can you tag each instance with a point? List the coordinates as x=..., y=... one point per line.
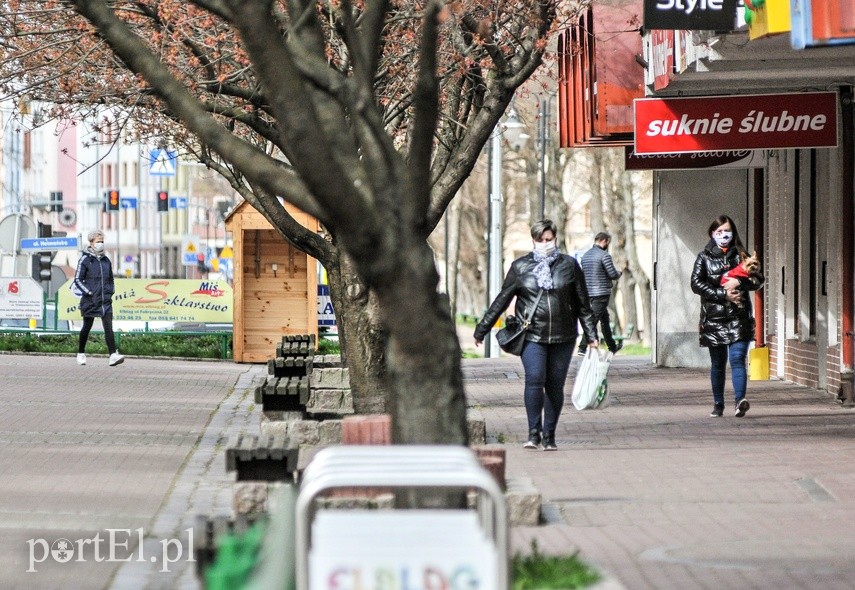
x=591, y=388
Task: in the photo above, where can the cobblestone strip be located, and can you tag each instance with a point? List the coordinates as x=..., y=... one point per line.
x=201, y=487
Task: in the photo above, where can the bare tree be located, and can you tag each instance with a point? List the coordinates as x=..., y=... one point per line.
x=367, y=117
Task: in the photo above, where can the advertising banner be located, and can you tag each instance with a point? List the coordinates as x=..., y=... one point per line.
x=698, y=15
x=817, y=23
x=769, y=17
x=20, y=298
x=661, y=58
x=694, y=160
x=743, y=122
x=160, y=300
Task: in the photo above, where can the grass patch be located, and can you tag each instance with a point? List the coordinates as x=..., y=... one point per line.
x=467, y=320
x=541, y=572
x=635, y=349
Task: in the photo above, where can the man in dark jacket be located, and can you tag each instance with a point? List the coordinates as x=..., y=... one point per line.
x=600, y=271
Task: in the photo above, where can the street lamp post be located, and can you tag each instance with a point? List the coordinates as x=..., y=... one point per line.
x=545, y=111
x=512, y=131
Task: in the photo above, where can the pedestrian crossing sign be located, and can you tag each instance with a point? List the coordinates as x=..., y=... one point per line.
x=162, y=162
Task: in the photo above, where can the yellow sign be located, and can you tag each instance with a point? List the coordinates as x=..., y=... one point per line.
x=160, y=300
x=769, y=18
x=227, y=252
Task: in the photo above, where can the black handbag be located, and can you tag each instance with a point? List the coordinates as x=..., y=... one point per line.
x=511, y=338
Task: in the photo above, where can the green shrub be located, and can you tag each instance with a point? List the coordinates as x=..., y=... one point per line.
x=542, y=572
x=207, y=346
x=328, y=347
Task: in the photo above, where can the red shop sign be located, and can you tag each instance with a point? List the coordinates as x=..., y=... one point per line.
x=744, y=122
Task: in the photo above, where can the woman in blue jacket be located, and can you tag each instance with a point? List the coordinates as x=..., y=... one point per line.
x=94, y=279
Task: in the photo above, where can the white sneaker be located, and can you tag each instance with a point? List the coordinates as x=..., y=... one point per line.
x=81, y=358
x=116, y=359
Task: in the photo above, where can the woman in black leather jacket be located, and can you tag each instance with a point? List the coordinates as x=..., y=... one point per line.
x=727, y=322
x=551, y=337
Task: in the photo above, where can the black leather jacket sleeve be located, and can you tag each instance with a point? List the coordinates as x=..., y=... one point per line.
x=559, y=310
x=499, y=305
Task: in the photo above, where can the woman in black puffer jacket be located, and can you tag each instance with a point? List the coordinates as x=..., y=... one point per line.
x=727, y=322
x=94, y=281
x=551, y=337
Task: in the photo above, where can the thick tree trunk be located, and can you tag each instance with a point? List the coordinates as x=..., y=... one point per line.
x=361, y=336
x=423, y=358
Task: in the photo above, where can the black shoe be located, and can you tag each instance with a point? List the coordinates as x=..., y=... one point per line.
x=533, y=441
x=617, y=347
x=582, y=352
x=741, y=408
x=717, y=411
x=549, y=442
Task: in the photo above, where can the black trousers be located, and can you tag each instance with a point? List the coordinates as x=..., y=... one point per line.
x=600, y=307
x=109, y=337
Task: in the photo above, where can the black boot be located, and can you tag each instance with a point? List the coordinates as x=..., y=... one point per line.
x=717, y=411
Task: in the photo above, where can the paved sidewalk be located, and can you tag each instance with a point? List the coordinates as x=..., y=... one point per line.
x=661, y=496
x=651, y=490
x=134, y=448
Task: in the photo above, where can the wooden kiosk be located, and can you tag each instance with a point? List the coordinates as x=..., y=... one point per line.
x=275, y=284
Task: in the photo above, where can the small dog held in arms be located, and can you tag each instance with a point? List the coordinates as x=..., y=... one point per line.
x=749, y=268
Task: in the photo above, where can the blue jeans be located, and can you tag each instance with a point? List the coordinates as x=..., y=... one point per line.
x=545, y=368
x=719, y=356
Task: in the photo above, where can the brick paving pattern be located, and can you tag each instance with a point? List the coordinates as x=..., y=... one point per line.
x=661, y=496
x=651, y=490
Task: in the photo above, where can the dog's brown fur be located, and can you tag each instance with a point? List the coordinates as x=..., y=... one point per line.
x=748, y=268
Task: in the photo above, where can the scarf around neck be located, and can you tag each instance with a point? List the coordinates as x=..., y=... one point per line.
x=542, y=270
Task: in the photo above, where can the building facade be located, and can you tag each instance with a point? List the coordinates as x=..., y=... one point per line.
x=791, y=197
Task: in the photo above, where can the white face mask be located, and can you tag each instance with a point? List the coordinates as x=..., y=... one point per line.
x=722, y=239
x=545, y=248
x=98, y=247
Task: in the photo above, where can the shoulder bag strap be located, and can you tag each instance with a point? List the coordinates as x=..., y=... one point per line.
x=527, y=321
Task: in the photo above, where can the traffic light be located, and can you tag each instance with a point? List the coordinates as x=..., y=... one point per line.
x=112, y=200
x=44, y=262
x=56, y=201
x=163, y=201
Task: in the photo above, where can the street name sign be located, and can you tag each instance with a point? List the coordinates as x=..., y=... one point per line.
x=52, y=243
